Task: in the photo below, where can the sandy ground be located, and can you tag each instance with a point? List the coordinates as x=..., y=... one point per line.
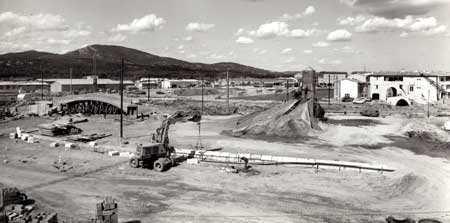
x=201, y=193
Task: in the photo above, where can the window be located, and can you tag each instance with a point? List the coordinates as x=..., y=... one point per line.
x=376, y=86
x=401, y=86
x=418, y=79
x=447, y=87
x=411, y=88
x=442, y=78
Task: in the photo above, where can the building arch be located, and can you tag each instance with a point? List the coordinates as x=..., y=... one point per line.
x=391, y=92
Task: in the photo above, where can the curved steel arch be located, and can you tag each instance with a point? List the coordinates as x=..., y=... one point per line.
x=90, y=106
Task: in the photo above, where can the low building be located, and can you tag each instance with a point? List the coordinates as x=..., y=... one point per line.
x=349, y=87
x=416, y=86
x=145, y=83
x=325, y=78
x=84, y=84
x=24, y=86
x=182, y=83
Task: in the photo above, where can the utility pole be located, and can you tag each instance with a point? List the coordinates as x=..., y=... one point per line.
x=202, y=92
x=42, y=80
x=428, y=104
x=228, y=93
x=287, y=90
x=121, y=101
x=148, y=87
x=329, y=89
x=70, y=73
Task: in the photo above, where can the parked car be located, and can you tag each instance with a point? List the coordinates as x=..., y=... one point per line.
x=347, y=98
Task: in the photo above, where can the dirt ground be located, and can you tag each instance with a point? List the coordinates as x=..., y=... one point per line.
x=419, y=188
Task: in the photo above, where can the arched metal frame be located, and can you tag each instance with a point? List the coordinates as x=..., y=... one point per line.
x=89, y=107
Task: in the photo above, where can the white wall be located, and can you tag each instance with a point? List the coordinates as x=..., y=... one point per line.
x=415, y=88
x=346, y=87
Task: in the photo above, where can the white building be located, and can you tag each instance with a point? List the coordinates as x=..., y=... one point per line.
x=183, y=83
x=415, y=86
x=351, y=87
x=145, y=83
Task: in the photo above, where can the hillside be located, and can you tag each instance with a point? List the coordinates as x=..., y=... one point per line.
x=108, y=62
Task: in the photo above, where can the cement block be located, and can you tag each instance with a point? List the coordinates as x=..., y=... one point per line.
x=54, y=144
x=71, y=145
x=193, y=161
x=113, y=153
x=125, y=154
x=93, y=144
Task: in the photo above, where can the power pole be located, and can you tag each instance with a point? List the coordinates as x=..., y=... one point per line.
x=428, y=104
x=121, y=101
x=202, y=92
x=228, y=93
x=329, y=89
x=287, y=90
x=148, y=87
x=42, y=81
x=70, y=73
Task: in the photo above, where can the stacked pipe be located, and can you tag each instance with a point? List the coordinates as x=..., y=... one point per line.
x=258, y=159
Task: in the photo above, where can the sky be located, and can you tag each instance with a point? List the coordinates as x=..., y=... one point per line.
x=279, y=35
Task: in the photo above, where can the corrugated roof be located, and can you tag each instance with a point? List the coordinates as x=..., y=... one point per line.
x=82, y=81
x=21, y=83
x=409, y=73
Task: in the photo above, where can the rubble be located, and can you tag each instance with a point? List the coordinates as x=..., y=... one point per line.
x=107, y=212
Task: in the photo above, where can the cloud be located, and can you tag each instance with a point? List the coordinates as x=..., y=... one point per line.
x=309, y=10
x=215, y=56
x=332, y=62
x=339, y=35
x=288, y=17
x=286, y=51
x=15, y=31
x=149, y=22
x=290, y=60
x=395, y=8
x=74, y=33
x=424, y=25
x=34, y=22
x=199, y=27
x=188, y=38
x=320, y=44
x=58, y=41
x=244, y=40
x=307, y=51
x=270, y=30
x=118, y=38
x=300, y=33
x=276, y=29
x=239, y=32
x=404, y=34
x=259, y=51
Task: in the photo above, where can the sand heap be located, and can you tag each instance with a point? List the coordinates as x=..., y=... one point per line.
x=291, y=120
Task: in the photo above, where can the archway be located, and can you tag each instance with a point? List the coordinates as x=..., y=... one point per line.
x=391, y=92
x=402, y=102
x=89, y=107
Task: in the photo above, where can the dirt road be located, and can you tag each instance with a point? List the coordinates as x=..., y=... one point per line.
x=202, y=193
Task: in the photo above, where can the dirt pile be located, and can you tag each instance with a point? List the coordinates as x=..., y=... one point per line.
x=291, y=121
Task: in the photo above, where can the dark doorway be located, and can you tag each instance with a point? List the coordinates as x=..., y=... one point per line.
x=376, y=96
x=402, y=102
x=391, y=92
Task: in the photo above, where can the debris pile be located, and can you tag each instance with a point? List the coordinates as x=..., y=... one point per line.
x=286, y=121
x=54, y=129
x=107, y=212
x=62, y=165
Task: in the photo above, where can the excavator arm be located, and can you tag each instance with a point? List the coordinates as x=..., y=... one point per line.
x=161, y=135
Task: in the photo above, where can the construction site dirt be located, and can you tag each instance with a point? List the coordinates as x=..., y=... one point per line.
x=206, y=192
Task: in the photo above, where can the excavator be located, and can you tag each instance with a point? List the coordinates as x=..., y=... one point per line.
x=157, y=154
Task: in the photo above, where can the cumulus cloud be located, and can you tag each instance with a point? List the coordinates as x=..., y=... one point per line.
x=286, y=51
x=149, y=22
x=309, y=10
x=276, y=29
x=339, y=35
x=289, y=17
x=290, y=60
x=320, y=44
x=329, y=62
x=307, y=51
x=118, y=38
x=188, y=38
x=199, y=27
x=395, y=8
x=35, y=22
x=408, y=24
x=244, y=40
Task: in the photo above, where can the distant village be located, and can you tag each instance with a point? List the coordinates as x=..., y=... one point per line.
x=392, y=87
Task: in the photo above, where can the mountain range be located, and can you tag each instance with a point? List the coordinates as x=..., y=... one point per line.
x=106, y=61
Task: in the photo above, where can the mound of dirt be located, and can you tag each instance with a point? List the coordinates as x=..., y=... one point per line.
x=286, y=121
